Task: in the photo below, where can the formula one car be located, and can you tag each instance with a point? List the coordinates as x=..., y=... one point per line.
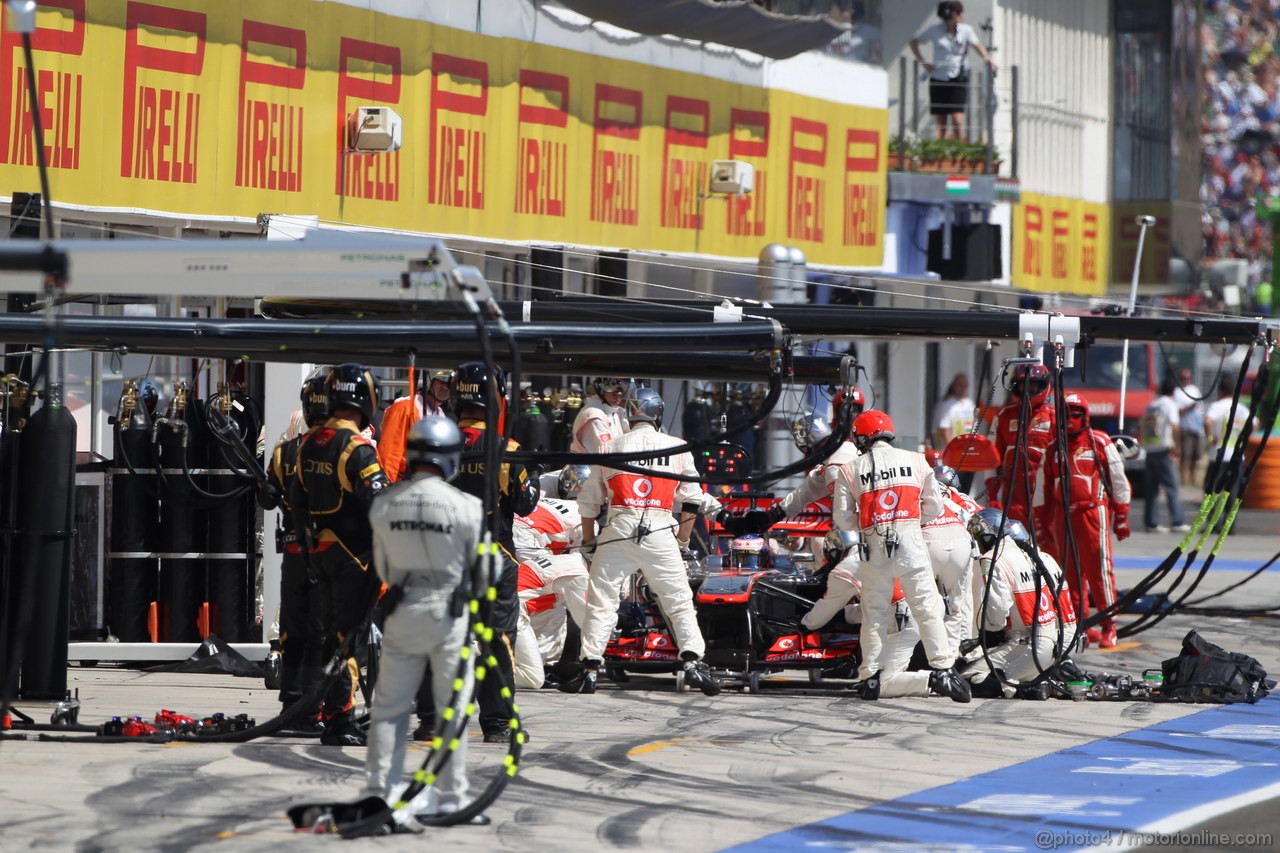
x=753, y=597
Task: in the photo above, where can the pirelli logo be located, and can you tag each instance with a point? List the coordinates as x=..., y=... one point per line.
x=369, y=471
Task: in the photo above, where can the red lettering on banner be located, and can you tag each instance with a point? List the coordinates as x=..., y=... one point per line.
x=1060, y=229
x=805, y=193
x=1155, y=254
x=160, y=128
x=1089, y=248
x=684, y=179
x=269, y=133
x=456, y=154
x=542, y=164
x=749, y=137
x=861, y=201
x=58, y=95
x=615, y=174
x=1032, y=226
x=861, y=215
x=369, y=176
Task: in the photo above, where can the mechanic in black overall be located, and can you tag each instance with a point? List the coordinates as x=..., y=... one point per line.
x=338, y=476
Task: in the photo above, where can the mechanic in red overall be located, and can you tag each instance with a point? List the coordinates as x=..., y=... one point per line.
x=1013, y=489
x=1097, y=506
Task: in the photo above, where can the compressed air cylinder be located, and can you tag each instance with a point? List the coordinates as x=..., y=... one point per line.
x=181, y=543
x=228, y=566
x=131, y=563
x=48, y=473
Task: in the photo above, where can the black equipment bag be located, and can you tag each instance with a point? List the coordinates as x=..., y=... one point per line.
x=1206, y=673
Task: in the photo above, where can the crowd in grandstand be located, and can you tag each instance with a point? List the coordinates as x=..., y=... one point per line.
x=1241, y=130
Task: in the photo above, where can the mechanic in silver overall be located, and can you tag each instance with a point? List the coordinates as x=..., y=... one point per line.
x=425, y=536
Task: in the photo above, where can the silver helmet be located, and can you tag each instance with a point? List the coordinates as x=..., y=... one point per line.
x=604, y=384
x=435, y=441
x=947, y=476
x=572, y=479
x=808, y=429
x=645, y=404
x=984, y=527
x=837, y=544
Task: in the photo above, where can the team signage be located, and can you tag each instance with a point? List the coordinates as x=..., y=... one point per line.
x=236, y=108
x=1061, y=245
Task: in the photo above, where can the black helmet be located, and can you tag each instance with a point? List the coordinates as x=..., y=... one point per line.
x=645, y=405
x=572, y=479
x=352, y=386
x=470, y=386
x=435, y=441
x=315, y=397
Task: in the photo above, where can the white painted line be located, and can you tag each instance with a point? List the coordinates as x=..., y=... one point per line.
x=1189, y=818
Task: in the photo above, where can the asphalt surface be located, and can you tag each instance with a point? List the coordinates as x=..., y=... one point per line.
x=642, y=767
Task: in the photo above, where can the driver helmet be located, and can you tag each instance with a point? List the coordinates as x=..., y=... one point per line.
x=749, y=552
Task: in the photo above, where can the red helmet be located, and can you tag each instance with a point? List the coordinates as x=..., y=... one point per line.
x=856, y=399
x=1032, y=379
x=871, y=426
x=1076, y=403
x=855, y=395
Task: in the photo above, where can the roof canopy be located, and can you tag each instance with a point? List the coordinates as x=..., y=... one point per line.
x=736, y=23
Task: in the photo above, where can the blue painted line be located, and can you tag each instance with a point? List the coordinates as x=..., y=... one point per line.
x=1219, y=564
x=1069, y=800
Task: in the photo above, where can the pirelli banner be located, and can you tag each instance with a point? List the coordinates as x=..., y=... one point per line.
x=1061, y=245
x=238, y=108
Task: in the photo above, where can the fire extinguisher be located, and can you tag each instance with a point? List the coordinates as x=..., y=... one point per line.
x=131, y=562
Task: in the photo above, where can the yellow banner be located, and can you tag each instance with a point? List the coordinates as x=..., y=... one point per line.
x=1156, y=245
x=1061, y=245
x=170, y=106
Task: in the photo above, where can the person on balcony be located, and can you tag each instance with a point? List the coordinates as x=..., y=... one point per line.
x=949, y=70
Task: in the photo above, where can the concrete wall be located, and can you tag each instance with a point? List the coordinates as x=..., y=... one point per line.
x=1063, y=53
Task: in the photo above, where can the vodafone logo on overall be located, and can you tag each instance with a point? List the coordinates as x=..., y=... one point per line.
x=888, y=501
